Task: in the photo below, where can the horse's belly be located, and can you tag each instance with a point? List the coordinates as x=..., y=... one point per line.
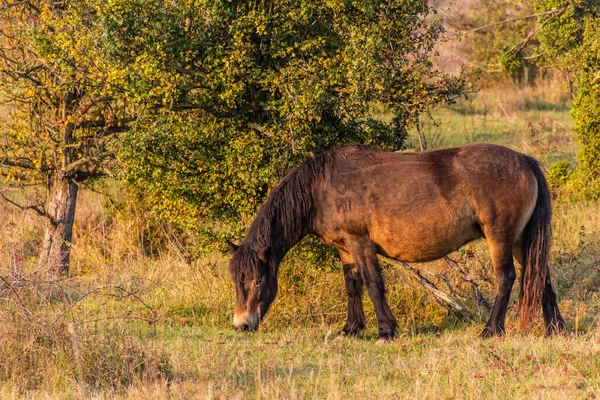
x=423, y=240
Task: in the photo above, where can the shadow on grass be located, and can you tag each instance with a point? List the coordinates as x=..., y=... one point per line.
x=539, y=105
x=467, y=109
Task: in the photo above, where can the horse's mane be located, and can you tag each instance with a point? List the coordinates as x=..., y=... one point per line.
x=290, y=204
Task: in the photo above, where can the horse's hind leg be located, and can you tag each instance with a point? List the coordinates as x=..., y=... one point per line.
x=504, y=269
x=363, y=252
x=552, y=318
x=355, y=321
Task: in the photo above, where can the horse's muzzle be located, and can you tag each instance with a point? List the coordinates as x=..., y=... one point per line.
x=245, y=322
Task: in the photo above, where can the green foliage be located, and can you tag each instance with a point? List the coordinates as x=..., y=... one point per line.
x=248, y=90
x=513, y=63
x=571, y=41
x=559, y=174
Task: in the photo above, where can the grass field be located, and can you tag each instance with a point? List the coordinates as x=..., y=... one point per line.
x=127, y=325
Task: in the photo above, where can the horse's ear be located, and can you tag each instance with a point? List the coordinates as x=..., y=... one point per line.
x=232, y=247
x=263, y=253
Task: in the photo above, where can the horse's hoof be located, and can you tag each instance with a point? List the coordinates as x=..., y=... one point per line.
x=341, y=335
x=384, y=339
x=556, y=328
x=490, y=333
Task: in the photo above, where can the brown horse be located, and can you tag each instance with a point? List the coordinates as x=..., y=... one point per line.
x=410, y=207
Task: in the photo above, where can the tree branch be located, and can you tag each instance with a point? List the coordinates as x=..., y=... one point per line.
x=534, y=31
x=478, y=295
x=6, y=162
x=558, y=10
x=76, y=166
x=475, y=65
x=36, y=208
x=108, y=127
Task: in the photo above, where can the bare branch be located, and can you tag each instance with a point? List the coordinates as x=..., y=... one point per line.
x=534, y=31
x=118, y=287
x=38, y=209
x=21, y=303
x=506, y=21
x=478, y=295
x=475, y=65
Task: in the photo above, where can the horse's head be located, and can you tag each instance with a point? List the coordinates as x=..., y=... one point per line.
x=255, y=285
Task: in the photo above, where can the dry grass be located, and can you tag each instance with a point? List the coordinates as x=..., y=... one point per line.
x=139, y=319
x=191, y=351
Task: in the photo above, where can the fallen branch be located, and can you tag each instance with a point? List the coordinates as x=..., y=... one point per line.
x=478, y=295
x=452, y=291
x=442, y=298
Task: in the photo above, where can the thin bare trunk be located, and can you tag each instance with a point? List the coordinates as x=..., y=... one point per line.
x=56, y=250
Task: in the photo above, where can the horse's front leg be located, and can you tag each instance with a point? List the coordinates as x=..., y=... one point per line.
x=355, y=321
x=365, y=256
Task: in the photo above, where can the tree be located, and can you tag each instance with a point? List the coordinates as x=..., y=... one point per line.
x=59, y=118
x=571, y=41
x=262, y=85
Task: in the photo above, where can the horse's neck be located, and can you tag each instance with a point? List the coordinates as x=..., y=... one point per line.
x=279, y=245
x=283, y=234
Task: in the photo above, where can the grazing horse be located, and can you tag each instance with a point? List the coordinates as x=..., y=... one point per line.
x=413, y=207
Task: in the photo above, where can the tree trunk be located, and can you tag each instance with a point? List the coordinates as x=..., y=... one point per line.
x=56, y=250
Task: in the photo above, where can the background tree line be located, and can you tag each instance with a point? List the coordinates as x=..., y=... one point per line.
x=203, y=106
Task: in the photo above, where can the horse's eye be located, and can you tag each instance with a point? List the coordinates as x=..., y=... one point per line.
x=259, y=282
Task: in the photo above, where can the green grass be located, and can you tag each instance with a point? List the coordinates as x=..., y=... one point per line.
x=538, y=128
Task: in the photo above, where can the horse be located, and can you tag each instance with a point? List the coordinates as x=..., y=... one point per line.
x=413, y=207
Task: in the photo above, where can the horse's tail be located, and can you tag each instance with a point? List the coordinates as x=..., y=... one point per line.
x=536, y=249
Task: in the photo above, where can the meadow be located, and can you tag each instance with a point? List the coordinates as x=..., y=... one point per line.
x=140, y=318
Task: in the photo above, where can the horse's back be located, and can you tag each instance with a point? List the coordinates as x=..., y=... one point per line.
x=421, y=206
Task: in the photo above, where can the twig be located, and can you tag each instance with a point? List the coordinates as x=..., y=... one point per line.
x=478, y=295
x=21, y=304
x=534, y=31
x=475, y=65
x=98, y=289
x=445, y=279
